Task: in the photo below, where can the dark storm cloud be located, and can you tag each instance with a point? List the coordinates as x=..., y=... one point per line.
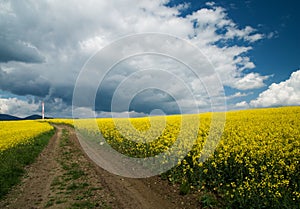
x=151, y=99
x=17, y=34
x=16, y=50
x=63, y=92
x=143, y=102
x=23, y=83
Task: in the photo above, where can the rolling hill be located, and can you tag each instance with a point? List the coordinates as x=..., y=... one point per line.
x=5, y=117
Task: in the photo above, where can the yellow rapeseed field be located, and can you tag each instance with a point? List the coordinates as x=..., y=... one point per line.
x=64, y=121
x=20, y=132
x=255, y=163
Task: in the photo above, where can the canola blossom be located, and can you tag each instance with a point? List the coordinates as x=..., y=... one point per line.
x=63, y=121
x=14, y=133
x=254, y=164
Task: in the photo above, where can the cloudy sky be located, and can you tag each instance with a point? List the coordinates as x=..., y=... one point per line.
x=45, y=46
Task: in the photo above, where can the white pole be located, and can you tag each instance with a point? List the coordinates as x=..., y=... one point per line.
x=43, y=110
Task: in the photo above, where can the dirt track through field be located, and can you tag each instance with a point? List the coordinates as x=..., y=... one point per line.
x=64, y=177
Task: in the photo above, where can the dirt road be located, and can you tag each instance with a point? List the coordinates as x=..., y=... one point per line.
x=64, y=177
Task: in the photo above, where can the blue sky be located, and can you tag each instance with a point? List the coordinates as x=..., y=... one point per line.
x=278, y=17
x=278, y=55
x=253, y=45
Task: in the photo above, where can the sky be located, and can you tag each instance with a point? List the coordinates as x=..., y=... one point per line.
x=251, y=48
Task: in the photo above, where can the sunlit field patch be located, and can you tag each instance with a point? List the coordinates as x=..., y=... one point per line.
x=20, y=132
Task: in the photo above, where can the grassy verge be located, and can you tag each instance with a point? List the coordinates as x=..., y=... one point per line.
x=72, y=186
x=13, y=161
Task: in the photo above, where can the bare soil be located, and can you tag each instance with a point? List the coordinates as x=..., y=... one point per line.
x=63, y=176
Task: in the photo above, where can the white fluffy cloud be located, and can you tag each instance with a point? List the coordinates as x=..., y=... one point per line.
x=250, y=81
x=284, y=93
x=126, y=114
x=62, y=35
x=237, y=95
x=242, y=104
x=17, y=107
